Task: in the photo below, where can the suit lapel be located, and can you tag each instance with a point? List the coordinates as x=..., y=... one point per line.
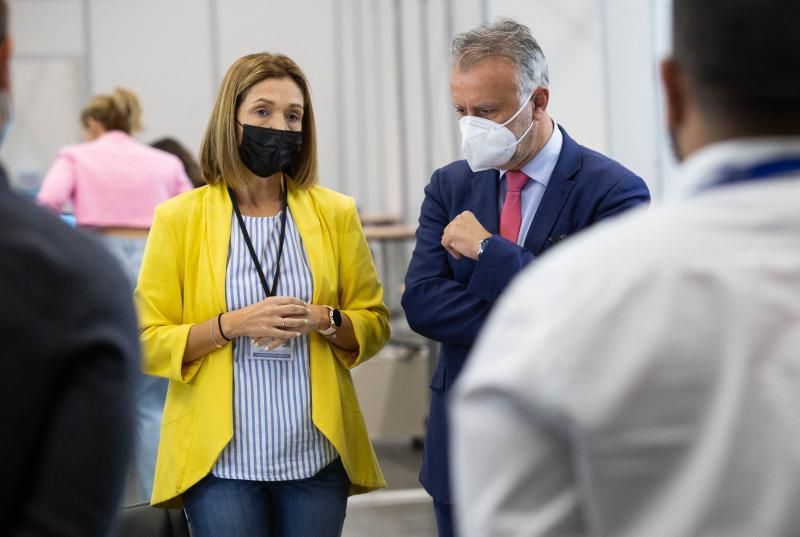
x=561, y=183
x=219, y=210
x=483, y=199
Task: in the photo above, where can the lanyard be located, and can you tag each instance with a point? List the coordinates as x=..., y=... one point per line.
x=760, y=172
x=285, y=208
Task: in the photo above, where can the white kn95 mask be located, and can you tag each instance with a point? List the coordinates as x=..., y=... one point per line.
x=487, y=144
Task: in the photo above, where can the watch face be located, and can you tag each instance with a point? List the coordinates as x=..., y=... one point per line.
x=337, y=318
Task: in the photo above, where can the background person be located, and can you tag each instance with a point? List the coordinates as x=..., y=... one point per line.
x=525, y=185
x=660, y=396
x=257, y=295
x=70, y=352
x=190, y=165
x=113, y=183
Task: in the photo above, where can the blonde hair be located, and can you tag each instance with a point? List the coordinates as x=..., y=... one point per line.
x=119, y=111
x=219, y=152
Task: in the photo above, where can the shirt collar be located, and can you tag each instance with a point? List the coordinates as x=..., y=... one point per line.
x=706, y=165
x=541, y=166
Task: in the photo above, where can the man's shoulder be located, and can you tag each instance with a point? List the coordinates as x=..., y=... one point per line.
x=456, y=176
x=602, y=168
x=591, y=164
x=38, y=237
x=609, y=267
x=598, y=287
x=60, y=278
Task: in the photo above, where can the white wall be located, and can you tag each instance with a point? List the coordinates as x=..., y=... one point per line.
x=570, y=34
x=378, y=70
x=633, y=109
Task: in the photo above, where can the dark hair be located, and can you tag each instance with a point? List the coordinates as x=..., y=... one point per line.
x=190, y=165
x=741, y=58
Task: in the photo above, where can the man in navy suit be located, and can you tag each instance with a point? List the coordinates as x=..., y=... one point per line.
x=525, y=186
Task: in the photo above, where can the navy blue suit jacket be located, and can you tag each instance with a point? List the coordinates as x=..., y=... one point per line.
x=447, y=300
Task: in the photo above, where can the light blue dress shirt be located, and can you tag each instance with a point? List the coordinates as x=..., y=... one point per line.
x=539, y=169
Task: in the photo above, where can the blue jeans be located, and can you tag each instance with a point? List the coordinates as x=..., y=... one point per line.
x=150, y=391
x=313, y=507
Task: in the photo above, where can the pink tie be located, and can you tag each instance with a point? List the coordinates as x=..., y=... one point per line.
x=511, y=217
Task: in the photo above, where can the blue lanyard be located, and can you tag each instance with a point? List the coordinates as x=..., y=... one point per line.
x=771, y=169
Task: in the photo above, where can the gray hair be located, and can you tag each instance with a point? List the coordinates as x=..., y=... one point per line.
x=504, y=38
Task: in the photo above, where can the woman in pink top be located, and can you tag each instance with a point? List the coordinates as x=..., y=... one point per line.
x=113, y=184
x=112, y=181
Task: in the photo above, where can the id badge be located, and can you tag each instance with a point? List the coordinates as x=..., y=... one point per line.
x=259, y=352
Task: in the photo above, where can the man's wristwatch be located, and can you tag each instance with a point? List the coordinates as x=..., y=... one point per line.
x=335, y=317
x=482, y=246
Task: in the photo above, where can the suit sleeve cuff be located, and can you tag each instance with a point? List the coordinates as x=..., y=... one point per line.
x=500, y=261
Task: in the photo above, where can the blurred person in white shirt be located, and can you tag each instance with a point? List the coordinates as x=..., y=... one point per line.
x=659, y=394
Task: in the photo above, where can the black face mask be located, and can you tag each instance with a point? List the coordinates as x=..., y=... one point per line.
x=267, y=151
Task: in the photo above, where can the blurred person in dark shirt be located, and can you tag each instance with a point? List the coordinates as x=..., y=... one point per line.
x=70, y=350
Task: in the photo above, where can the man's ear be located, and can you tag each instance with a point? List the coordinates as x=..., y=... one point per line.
x=6, y=48
x=540, y=98
x=674, y=83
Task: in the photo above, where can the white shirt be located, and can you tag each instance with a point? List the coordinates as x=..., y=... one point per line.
x=643, y=380
x=539, y=169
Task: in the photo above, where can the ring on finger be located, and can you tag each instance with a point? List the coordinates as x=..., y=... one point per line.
x=283, y=323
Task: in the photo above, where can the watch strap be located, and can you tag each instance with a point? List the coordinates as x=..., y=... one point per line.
x=482, y=246
x=332, y=328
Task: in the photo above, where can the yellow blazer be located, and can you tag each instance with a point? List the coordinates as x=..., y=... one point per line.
x=182, y=282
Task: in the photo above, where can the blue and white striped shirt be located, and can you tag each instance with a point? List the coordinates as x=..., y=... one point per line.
x=274, y=438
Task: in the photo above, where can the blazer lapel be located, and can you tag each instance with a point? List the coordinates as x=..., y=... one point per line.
x=483, y=202
x=304, y=213
x=218, y=210
x=561, y=183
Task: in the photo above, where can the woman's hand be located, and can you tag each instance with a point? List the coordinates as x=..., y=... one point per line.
x=317, y=319
x=275, y=319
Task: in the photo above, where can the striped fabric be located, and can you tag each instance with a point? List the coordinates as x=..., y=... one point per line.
x=274, y=438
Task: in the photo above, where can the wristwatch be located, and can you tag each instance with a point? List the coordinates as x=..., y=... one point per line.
x=335, y=317
x=482, y=246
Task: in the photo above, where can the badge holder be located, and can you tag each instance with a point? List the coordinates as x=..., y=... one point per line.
x=280, y=354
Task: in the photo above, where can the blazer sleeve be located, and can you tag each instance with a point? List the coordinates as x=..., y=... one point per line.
x=58, y=185
x=360, y=292
x=159, y=302
x=436, y=305
x=497, y=266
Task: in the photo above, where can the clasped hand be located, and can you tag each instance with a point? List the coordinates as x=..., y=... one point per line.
x=277, y=319
x=461, y=236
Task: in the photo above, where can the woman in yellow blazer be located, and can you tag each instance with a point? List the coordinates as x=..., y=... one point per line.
x=257, y=294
